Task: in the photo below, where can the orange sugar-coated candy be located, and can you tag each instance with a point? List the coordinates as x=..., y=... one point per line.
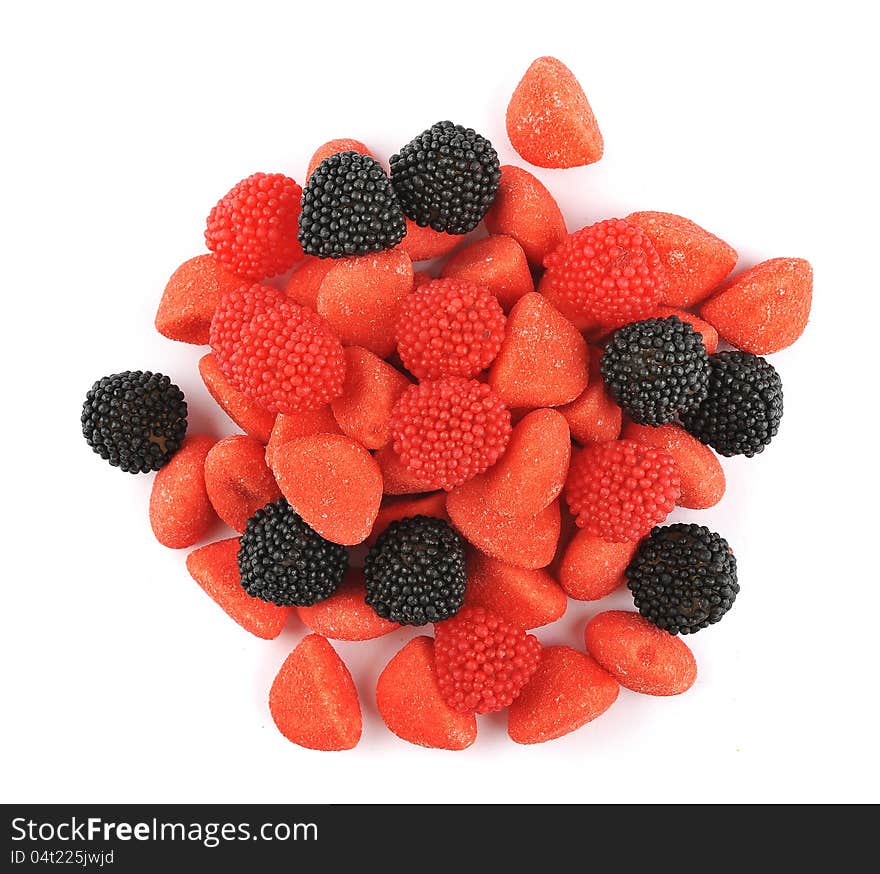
x=592, y=568
x=238, y=480
x=532, y=471
x=409, y=701
x=425, y=244
x=708, y=333
x=567, y=691
x=247, y=414
x=371, y=388
x=524, y=542
x=313, y=699
x=215, y=569
x=334, y=147
x=700, y=471
x=360, y=298
x=525, y=210
x=764, y=309
x=593, y=416
x=190, y=298
x=345, y=615
x=333, y=483
x=695, y=260
x=180, y=512
x=639, y=655
x=405, y=507
x=397, y=478
x=305, y=423
x=521, y=596
x=549, y=120
x=543, y=360
x=592, y=330
x=498, y=262
x=302, y=287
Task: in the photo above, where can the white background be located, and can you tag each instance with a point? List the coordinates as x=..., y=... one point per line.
x=124, y=123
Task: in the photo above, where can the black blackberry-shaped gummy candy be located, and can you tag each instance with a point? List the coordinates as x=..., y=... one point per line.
x=283, y=561
x=349, y=208
x=415, y=572
x=656, y=369
x=446, y=178
x=135, y=420
x=743, y=408
x=683, y=578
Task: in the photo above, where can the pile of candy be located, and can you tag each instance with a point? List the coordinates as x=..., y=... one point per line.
x=503, y=430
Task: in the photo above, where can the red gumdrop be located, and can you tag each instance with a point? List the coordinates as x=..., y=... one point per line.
x=371, y=388
x=639, y=655
x=238, y=480
x=305, y=423
x=409, y=701
x=180, y=512
x=397, y=479
x=333, y=483
x=215, y=569
x=593, y=330
x=523, y=597
x=302, y=287
x=708, y=333
x=334, y=147
x=543, y=360
x=313, y=699
x=498, y=262
x=247, y=414
x=568, y=690
x=592, y=568
x=345, y=615
x=425, y=244
x=395, y=508
x=699, y=470
x=593, y=417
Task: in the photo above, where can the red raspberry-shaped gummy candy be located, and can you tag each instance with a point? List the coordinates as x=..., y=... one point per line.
x=482, y=661
x=448, y=431
x=234, y=311
x=609, y=271
x=621, y=489
x=449, y=327
x=253, y=229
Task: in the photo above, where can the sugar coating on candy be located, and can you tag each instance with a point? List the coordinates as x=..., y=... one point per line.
x=639, y=655
x=345, y=615
x=543, y=360
x=449, y=327
x=592, y=568
x=609, y=271
x=409, y=701
x=237, y=479
x=549, y=120
x=395, y=508
x=303, y=423
x=252, y=229
x=334, y=147
x=497, y=262
x=397, y=478
x=482, y=661
x=532, y=471
x=190, y=298
x=700, y=472
x=333, y=483
x=568, y=690
x=593, y=416
x=305, y=281
x=524, y=542
x=696, y=261
x=180, y=512
x=360, y=298
x=215, y=569
x=313, y=699
x=246, y=413
x=702, y=327
x=527, y=598
x=766, y=308
x=525, y=210
x=371, y=388
x=425, y=244
x=449, y=430
x=621, y=489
